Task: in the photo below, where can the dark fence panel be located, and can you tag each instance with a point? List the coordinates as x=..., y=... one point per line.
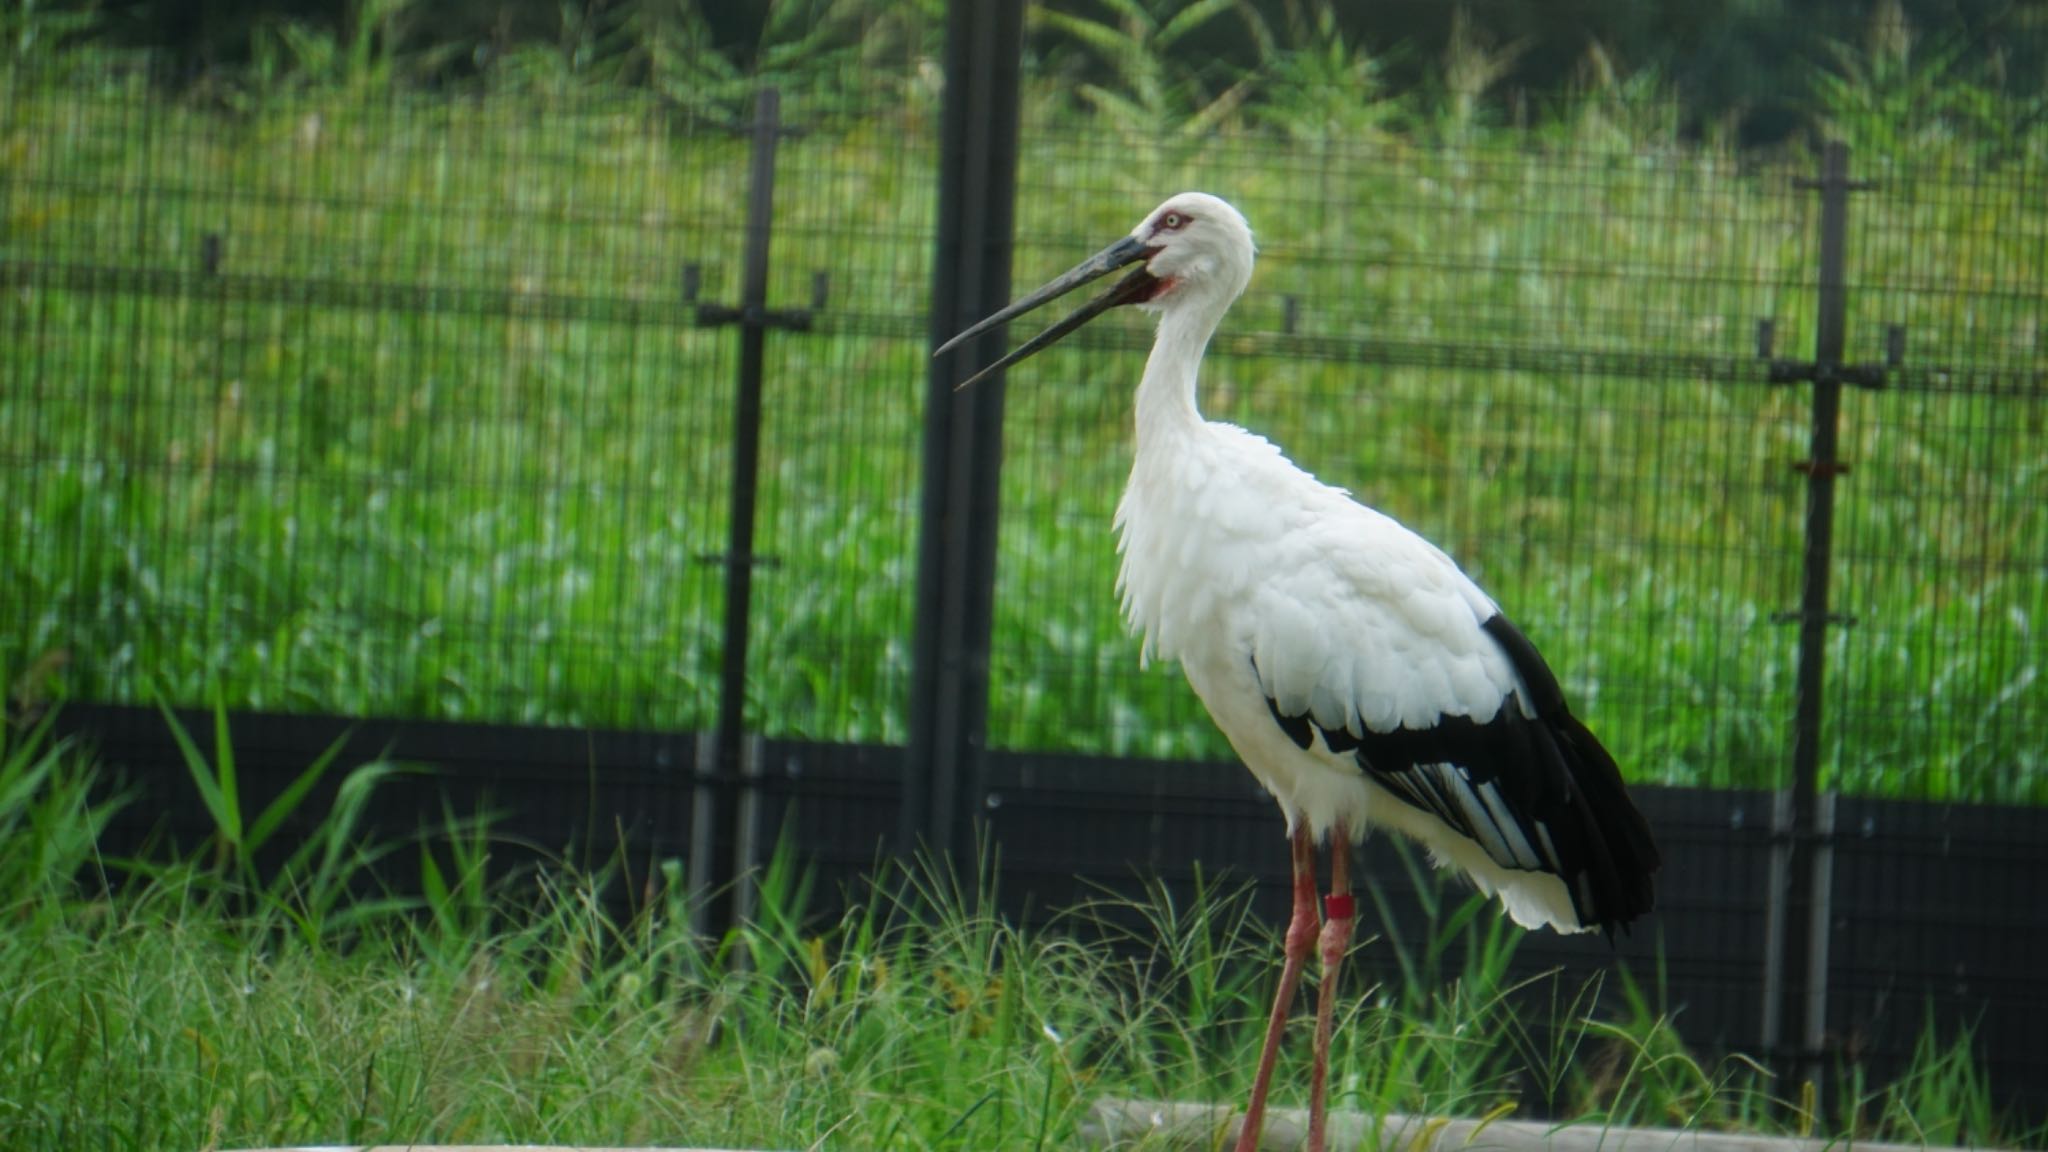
x=552, y=795
x=1074, y=827
x=1934, y=907
x=1940, y=916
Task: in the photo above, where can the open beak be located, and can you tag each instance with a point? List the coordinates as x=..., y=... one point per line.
x=1137, y=286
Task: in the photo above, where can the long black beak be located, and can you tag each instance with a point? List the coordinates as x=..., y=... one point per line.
x=1137, y=286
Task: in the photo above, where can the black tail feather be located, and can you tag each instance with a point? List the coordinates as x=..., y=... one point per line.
x=1611, y=875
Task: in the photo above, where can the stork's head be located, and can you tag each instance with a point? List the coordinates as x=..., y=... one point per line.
x=1195, y=253
x=1197, y=247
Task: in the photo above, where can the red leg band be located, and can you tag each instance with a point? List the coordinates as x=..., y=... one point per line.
x=1339, y=906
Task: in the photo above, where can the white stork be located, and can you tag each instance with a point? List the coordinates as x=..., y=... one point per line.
x=1364, y=679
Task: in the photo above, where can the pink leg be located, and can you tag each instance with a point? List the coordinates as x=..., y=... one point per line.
x=1339, y=917
x=1301, y=930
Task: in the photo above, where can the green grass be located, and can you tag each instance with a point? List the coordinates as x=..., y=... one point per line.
x=441, y=440
x=193, y=1003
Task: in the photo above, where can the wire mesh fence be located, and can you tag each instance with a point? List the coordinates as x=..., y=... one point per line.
x=404, y=406
x=1557, y=364
x=396, y=407
x=1944, y=540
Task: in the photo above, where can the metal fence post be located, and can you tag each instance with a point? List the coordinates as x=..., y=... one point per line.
x=722, y=785
x=963, y=431
x=1795, y=961
x=703, y=839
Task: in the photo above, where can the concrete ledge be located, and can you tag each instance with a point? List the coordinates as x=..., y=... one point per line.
x=1120, y=1123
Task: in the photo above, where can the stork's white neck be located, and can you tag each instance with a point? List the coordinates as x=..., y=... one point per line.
x=1162, y=506
x=1166, y=396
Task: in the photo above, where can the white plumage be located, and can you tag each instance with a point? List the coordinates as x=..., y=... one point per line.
x=1363, y=678
x=1267, y=584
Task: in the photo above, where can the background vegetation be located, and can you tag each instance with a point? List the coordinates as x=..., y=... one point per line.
x=435, y=443
x=1743, y=64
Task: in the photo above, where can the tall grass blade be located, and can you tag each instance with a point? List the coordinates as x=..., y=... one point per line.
x=216, y=787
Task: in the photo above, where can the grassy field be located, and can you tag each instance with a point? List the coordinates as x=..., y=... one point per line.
x=200, y=1004
x=438, y=437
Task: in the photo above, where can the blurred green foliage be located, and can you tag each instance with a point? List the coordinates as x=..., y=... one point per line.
x=1742, y=66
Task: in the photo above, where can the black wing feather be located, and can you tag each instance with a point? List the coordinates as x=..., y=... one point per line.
x=1558, y=790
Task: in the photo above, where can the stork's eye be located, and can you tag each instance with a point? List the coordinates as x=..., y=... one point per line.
x=1172, y=222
